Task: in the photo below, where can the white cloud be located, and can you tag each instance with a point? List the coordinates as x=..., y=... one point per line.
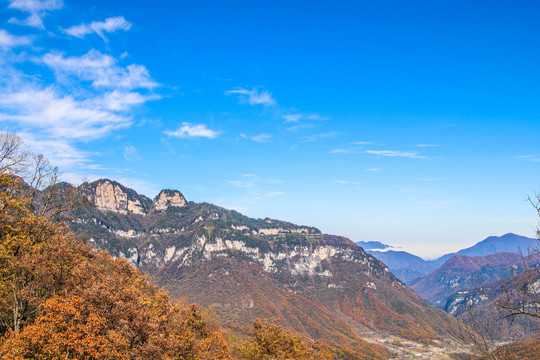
x=292, y=118
x=533, y=158
x=342, y=151
x=59, y=151
x=131, y=153
x=110, y=25
x=253, y=97
x=317, y=137
x=90, y=96
x=392, y=153
x=362, y=142
x=37, y=10
x=262, y=138
x=346, y=182
x=374, y=169
x=99, y=69
x=272, y=193
x=318, y=117
x=427, y=145
x=57, y=115
x=188, y=130
x=7, y=40
x=118, y=100
x=240, y=183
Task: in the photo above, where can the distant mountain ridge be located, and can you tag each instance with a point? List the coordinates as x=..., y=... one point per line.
x=462, y=272
x=406, y=266
x=323, y=286
x=410, y=268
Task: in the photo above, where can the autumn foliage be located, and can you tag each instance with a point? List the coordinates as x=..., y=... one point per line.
x=272, y=341
x=60, y=299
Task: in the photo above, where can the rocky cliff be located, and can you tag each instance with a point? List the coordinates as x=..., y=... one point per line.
x=323, y=286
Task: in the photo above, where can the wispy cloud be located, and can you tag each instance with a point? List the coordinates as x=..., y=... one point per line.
x=57, y=115
x=7, y=40
x=342, y=151
x=392, y=153
x=298, y=117
x=36, y=9
x=59, y=151
x=101, y=70
x=292, y=117
x=348, y=149
x=427, y=145
x=534, y=158
x=187, y=130
x=131, y=153
x=272, y=193
x=374, y=169
x=256, y=188
x=318, y=117
x=241, y=183
x=253, y=96
x=110, y=25
x=89, y=97
x=347, y=182
x=362, y=142
x=321, y=136
x=262, y=138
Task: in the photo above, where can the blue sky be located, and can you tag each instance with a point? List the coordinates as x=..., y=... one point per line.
x=413, y=123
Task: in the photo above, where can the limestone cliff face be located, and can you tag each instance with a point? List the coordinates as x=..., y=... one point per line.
x=111, y=196
x=167, y=198
x=249, y=268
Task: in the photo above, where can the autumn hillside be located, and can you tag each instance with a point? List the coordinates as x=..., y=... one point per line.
x=61, y=299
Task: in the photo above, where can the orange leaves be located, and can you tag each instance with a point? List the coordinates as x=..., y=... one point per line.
x=61, y=300
x=272, y=341
x=66, y=329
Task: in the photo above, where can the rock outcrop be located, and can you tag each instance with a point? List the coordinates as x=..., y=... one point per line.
x=323, y=286
x=109, y=195
x=168, y=198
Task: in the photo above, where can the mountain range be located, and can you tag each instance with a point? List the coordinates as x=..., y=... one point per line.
x=410, y=268
x=469, y=283
x=462, y=272
x=323, y=286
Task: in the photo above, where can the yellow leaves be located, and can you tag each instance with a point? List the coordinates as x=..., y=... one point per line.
x=61, y=300
x=66, y=329
x=271, y=341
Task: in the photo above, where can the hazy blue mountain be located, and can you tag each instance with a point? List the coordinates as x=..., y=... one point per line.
x=461, y=272
x=410, y=268
x=406, y=266
x=497, y=244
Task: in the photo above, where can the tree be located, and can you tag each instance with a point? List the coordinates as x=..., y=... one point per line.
x=62, y=299
x=521, y=295
x=493, y=312
x=47, y=196
x=13, y=158
x=272, y=342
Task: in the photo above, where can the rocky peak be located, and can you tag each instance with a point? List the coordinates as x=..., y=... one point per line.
x=168, y=198
x=109, y=195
